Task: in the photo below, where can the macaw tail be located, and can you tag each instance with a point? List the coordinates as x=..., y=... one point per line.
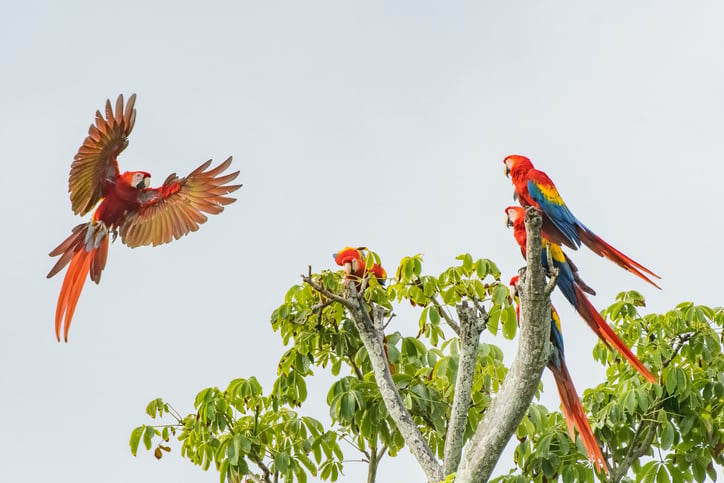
x=606, y=333
x=574, y=294
x=577, y=278
x=552, y=233
x=603, y=249
x=574, y=414
x=86, y=249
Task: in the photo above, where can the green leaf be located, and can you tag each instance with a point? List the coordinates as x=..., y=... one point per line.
x=667, y=436
x=670, y=380
x=467, y=262
x=151, y=408
x=500, y=294
x=148, y=437
x=282, y=461
x=647, y=474
x=434, y=316
x=493, y=319
x=698, y=469
x=662, y=476
x=346, y=410
x=510, y=324
x=136, y=439
x=224, y=471
x=232, y=452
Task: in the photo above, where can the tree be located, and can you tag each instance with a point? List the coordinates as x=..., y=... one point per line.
x=434, y=394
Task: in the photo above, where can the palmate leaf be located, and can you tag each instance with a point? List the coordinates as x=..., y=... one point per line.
x=240, y=426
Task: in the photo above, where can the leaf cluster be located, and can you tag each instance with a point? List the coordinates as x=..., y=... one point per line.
x=240, y=425
x=669, y=431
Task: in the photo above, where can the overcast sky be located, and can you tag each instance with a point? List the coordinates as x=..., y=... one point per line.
x=353, y=123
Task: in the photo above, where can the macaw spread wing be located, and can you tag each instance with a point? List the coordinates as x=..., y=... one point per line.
x=95, y=163
x=178, y=207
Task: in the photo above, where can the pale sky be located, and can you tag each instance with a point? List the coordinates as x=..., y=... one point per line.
x=353, y=123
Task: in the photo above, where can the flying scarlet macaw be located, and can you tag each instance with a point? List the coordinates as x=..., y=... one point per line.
x=572, y=408
x=353, y=262
x=535, y=188
x=573, y=288
x=142, y=215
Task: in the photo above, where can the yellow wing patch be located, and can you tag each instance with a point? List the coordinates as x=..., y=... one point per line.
x=555, y=250
x=551, y=194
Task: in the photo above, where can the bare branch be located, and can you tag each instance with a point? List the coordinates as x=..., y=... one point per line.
x=472, y=323
x=356, y=369
x=250, y=477
x=512, y=401
x=267, y=473
x=381, y=453
x=372, y=335
x=441, y=310
x=330, y=295
x=552, y=281
x=635, y=450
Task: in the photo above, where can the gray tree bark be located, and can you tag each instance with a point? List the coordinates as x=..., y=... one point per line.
x=515, y=395
x=472, y=323
x=371, y=333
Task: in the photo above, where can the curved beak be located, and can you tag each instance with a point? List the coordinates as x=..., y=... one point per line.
x=512, y=294
x=350, y=267
x=507, y=170
x=144, y=183
x=508, y=221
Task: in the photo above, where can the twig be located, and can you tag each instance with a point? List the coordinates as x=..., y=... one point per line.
x=441, y=310
x=308, y=279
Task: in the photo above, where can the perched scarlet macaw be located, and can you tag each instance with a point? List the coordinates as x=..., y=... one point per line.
x=142, y=215
x=353, y=262
x=573, y=288
x=535, y=188
x=572, y=407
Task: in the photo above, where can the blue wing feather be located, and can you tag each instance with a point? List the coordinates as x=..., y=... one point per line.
x=558, y=213
x=566, y=279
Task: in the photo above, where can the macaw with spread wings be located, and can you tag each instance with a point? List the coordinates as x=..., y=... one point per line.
x=141, y=215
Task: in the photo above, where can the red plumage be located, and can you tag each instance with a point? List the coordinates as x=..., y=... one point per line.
x=573, y=288
x=594, y=320
x=535, y=188
x=142, y=215
x=575, y=415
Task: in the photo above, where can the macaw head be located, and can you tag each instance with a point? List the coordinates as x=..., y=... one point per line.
x=513, y=214
x=516, y=163
x=138, y=179
x=351, y=260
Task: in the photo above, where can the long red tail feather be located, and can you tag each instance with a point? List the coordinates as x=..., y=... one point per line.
x=603, y=249
x=606, y=333
x=575, y=415
x=82, y=262
x=70, y=291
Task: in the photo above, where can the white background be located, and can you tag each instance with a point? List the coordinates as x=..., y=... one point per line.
x=368, y=123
